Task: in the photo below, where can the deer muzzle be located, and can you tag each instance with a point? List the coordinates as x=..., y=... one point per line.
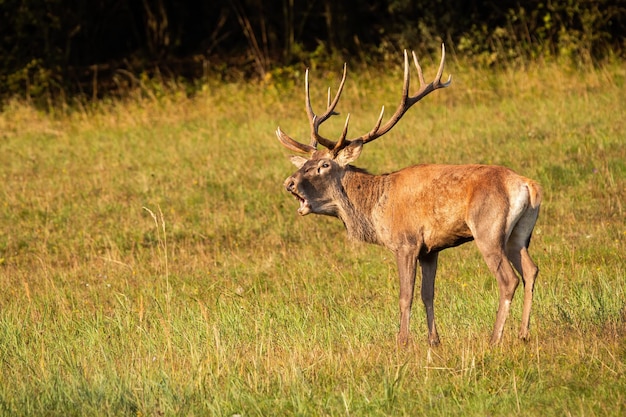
x=291, y=186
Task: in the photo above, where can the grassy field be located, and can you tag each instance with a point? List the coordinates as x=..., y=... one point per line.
x=152, y=264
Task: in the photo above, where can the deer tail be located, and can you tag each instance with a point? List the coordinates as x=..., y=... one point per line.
x=534, y=193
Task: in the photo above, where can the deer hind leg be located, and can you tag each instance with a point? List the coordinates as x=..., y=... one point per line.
x=490, y=237
x=499, y=265
x=428, y=264
x=517, y=253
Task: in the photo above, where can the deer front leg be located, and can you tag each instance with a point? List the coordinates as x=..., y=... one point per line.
x=428, y=264
x=407, y=265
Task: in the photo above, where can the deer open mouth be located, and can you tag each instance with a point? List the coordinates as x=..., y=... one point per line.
x=305, y=207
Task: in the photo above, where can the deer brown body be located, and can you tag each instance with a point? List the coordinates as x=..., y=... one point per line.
x=420, y=210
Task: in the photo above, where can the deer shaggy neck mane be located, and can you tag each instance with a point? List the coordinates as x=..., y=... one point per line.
x=363, y=193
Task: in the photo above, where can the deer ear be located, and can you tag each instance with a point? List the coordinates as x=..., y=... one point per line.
x=298, y=161
x=350, y=153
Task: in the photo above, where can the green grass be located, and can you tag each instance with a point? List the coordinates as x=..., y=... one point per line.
x=152, y=264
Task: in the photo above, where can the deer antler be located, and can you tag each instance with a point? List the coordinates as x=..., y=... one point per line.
x=407, y=101
x=377, y=131
x=314, y=120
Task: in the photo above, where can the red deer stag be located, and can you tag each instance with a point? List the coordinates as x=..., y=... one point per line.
x=420, y=210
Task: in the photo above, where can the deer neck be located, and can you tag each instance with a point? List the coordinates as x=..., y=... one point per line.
x=362, y=193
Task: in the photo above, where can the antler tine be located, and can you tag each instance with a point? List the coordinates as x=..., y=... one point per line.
x=330, y=110
x=420, y=74
x=341, y=143
x=407, y=78
x=379, y=121
x=440, y=71
x=309, y=109
x=328, y=102
x=293, y=145
x=427, y=89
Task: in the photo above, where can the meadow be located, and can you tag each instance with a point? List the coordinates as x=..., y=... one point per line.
x=151, y=263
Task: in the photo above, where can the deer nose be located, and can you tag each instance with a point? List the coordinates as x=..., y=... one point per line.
x=290, y=184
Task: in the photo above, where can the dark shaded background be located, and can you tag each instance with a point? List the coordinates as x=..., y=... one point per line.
x=68, y=47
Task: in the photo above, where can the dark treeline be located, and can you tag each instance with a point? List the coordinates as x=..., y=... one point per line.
x=78, y=46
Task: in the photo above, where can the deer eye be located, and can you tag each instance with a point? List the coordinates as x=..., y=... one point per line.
x=325, y=165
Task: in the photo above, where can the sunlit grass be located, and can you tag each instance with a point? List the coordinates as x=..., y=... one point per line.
x=226, y=302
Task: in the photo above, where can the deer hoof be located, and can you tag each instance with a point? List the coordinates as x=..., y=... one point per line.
x=433, y=341
x=403, y=339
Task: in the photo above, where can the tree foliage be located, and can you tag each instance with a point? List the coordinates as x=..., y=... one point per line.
x=53, y=46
